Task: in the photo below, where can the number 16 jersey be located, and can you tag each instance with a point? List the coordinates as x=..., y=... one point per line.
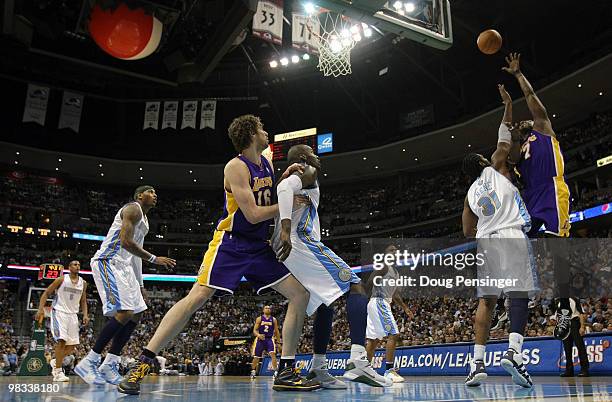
x=497, y=203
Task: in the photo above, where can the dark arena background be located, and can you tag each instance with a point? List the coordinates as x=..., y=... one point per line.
x=104, y=96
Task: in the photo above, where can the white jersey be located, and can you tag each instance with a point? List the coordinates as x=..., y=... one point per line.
x=497, y=203
x=68, y=295
x=304, y=218
x=386, y=292
x=111, y=246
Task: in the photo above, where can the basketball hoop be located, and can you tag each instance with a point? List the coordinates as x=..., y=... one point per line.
x=335, y=41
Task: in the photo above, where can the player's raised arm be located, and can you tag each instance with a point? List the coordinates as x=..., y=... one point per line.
x=504, y=137
x=469, y=220
x=541, y=122
x=130, y=216
x=40, y=314
x=237, y=177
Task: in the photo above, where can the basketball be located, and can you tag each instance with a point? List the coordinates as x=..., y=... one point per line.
x=489, y=41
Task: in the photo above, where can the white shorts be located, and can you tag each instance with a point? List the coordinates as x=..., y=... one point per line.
x=325, y=275
x=117, y=285
x=381, y=322
x=509, y=258
x=65, y=326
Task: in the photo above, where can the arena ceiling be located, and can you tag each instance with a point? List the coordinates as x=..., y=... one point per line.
x=200, y=57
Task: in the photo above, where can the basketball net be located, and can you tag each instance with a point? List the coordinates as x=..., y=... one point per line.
x=335, y=41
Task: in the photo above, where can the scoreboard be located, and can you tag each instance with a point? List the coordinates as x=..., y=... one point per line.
x=50, y=271
x=283, y=142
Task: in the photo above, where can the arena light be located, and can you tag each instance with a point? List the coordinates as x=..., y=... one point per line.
x=554, y=115
x=16, y=163
x=403, y=149
x=295, y=59
x=191, y=171
x=365, y=158
x=398, y=5
x=354, y=29
x=195, y=180
x=17, y=153
x=102, y=174
x=452, y=137
x=469, y=145
x=99, y=165
x=335, y=45
x=140, y=169
x=309, y=8
x=579, y=85
x=410, y=7
x=59, y=159
x=600, y=94
x=284, y=61
x=416, y=159
x=367, y=32
x=306, y=56
x=273, y=63
x=140, y=177
x=56, y=169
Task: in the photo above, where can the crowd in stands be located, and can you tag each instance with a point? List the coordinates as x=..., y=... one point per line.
x=394, y=202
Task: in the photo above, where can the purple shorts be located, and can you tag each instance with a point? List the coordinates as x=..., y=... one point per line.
x=230, y=257
x=260, y=346
x=548, y=205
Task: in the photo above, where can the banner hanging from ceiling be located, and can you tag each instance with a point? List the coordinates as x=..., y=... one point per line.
x=268, y=21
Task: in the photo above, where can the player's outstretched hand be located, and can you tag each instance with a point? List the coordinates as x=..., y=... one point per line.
x=505, y=96
x=165, y=261
x=285, y=246
x=513, y=60
x=39, y=317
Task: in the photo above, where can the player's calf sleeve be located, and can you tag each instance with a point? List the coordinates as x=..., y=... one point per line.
x=111, y=328
x=518, y=315
x=122, y=337
x=322, y=328
x=357, y=314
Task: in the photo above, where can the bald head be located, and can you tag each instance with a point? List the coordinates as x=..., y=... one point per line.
x=297, y=151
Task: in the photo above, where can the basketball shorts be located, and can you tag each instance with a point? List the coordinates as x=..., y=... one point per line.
x=509, y=260
x=117, y=285
x=325, y=275
x=65, y=326
x=548, y=205
x=230, y=257
x=259, y=347
x=381, y=322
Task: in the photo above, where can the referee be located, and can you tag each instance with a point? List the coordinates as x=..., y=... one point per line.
x=577, y=330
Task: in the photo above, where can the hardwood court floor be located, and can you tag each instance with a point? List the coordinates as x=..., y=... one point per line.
x=242, y=389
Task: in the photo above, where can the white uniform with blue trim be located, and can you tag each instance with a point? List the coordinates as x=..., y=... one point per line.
x=503, y=222
x=319, y=269
x=381, y=322
x=65, y=307
x=117, y=272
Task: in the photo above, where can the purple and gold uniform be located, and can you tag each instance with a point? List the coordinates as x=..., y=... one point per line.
x=546, y=194
x=266, y=328
x=239, y=248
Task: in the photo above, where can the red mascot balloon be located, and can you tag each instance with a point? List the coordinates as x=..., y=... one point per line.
x=123, y=33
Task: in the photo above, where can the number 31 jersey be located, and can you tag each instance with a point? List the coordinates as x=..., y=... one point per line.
x=497, y=203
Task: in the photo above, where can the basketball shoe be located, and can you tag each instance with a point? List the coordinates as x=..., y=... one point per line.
x=131, y=382
x=289, y=380
x=87, y=369
x=512, y=362
x=564, y=320
x=477, y=373
x=327, y=380
x=393, y=375
x=360, y=370
x=59, y=376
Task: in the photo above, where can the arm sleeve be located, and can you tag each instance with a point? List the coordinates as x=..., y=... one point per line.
x=504, y=134
x=285, y=191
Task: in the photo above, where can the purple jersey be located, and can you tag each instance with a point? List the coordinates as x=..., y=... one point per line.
x=541, y=170
x=266, y=327
x=262, y=184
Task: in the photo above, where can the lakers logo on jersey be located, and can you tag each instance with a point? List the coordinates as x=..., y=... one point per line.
x=260, y=182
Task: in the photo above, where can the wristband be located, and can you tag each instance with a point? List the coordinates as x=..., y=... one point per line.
x=152, y=258
x=504, y=134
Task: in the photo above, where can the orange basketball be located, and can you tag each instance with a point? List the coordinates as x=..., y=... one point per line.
x=489, y=41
